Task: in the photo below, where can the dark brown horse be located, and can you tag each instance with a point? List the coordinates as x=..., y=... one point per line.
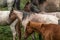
x=16, y=23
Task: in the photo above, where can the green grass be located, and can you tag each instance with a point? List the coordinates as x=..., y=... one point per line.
x=5, y=33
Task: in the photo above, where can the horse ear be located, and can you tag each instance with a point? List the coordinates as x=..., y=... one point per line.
x=28, y=23
x=11, y=11
x=42, y=25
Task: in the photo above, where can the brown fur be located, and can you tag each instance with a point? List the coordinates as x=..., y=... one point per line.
x=27, y=7
x=18, y=29
x=13, y=17
x=48, y=31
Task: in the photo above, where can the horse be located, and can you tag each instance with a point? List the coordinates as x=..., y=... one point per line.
x=7, y=18
x=48, y=31
x=42, y=4
x=26, y=17
x=9, y=3
x=28, y=8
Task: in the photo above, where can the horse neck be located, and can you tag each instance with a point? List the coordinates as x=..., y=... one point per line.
x=12, y=17
x=27, y=19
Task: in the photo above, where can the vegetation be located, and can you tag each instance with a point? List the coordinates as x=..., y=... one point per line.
x=5, y=31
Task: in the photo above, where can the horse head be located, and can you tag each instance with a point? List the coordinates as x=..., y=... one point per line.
x=29, y=7
x=12, y=16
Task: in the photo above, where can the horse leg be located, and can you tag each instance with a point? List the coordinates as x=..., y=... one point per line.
x=9, y=4
x=18, y=30
x=12, y=26
x=33, y=36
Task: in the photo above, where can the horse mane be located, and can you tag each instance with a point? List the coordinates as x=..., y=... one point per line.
x=27, y=8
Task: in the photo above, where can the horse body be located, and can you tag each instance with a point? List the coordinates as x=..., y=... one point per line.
x=41, y=18
x=48, y=31
x=57, y=14
x=37, y=17
x=4, y=17
x=51, y=5
x=44, y=18
x=5, y=20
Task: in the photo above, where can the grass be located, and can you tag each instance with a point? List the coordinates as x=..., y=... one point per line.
x=5, y=33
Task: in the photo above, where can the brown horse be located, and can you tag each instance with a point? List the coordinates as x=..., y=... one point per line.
x=43, y=18
x=16, y=23
x=43, y=4
x=48, y=31
x=29, y=7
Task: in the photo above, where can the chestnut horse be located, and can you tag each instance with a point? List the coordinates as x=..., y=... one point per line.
x=48, y=31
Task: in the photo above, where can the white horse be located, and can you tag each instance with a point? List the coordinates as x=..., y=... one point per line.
x=39, y=17
x=57, y=14
x=16, y=4
x=5, y=20
x=9, y=4
x=44, y=18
